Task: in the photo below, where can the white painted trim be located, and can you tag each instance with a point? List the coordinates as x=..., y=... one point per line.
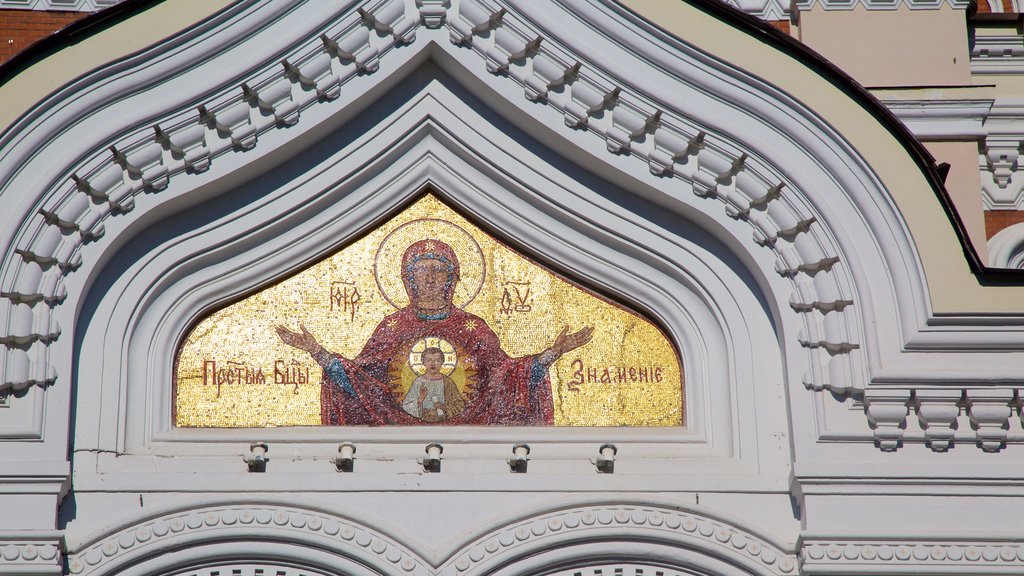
x=617, y=531
x=660, y=271
x=997, y=55
x=1002, y=182
x=942, y=120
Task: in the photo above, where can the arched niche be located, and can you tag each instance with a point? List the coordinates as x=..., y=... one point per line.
x=333, y=190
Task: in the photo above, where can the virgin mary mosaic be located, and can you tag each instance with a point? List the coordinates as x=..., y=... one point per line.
x=427, y=320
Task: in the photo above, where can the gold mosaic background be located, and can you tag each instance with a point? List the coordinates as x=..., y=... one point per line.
x=233, y=370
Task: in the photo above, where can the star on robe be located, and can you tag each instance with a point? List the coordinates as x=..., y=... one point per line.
x=470, y=325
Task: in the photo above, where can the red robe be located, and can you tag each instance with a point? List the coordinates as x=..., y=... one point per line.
x=499, y=390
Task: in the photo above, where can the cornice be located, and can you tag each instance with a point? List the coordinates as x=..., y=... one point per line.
x=997, y=55
x=943, y=119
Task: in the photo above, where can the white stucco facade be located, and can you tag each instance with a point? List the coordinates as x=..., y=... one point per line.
x=852, y=388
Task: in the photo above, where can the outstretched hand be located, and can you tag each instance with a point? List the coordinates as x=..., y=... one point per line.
x=301, y=340
x=566, y=342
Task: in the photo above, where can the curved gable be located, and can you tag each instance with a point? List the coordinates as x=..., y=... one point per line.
x=788, y=241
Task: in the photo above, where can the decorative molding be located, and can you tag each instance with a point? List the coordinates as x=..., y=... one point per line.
x=58, y=5
x=942, y=119
x=788, y=218
x=184, y=141
x=674, y=145
x=988, y=418
x=30, y=551
x=603, y=523
x=918, y=557
x=344, y=538
x=224, y=523
x=998, y=54
x=1002, y=181
x=1006, y=248
x=187, y=141
x=29, y=557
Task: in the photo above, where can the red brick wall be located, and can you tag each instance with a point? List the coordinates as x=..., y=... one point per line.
x=20, y=28
x=996, y=220
x=780, y=25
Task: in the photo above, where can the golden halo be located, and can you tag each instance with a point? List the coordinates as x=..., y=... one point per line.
x=387, y=265
x=416, y=355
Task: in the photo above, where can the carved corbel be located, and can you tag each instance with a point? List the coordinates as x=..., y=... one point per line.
x=188, y=143
x=629, y=122
x=35, y=283
x=547, y=72
x=144, y=163
x=819, y=291
x=832, y=331
x=52, y=246
x=78, y=213
x=989, y=411
x=354, y=47
x=1002, y=155
x=509, y=46
x=887, y=411
x=233, y=119
x=937, y=412
x=432, y=12
x=587, y=98
x=670, y=146
x=389, y=17
x=26, y=366
x=712, y=166
x=839, y=373
x=474, y=17
x=317, y=73
x=108, y=183
x=27, y=324
x=275, y=97
x=803, y=255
